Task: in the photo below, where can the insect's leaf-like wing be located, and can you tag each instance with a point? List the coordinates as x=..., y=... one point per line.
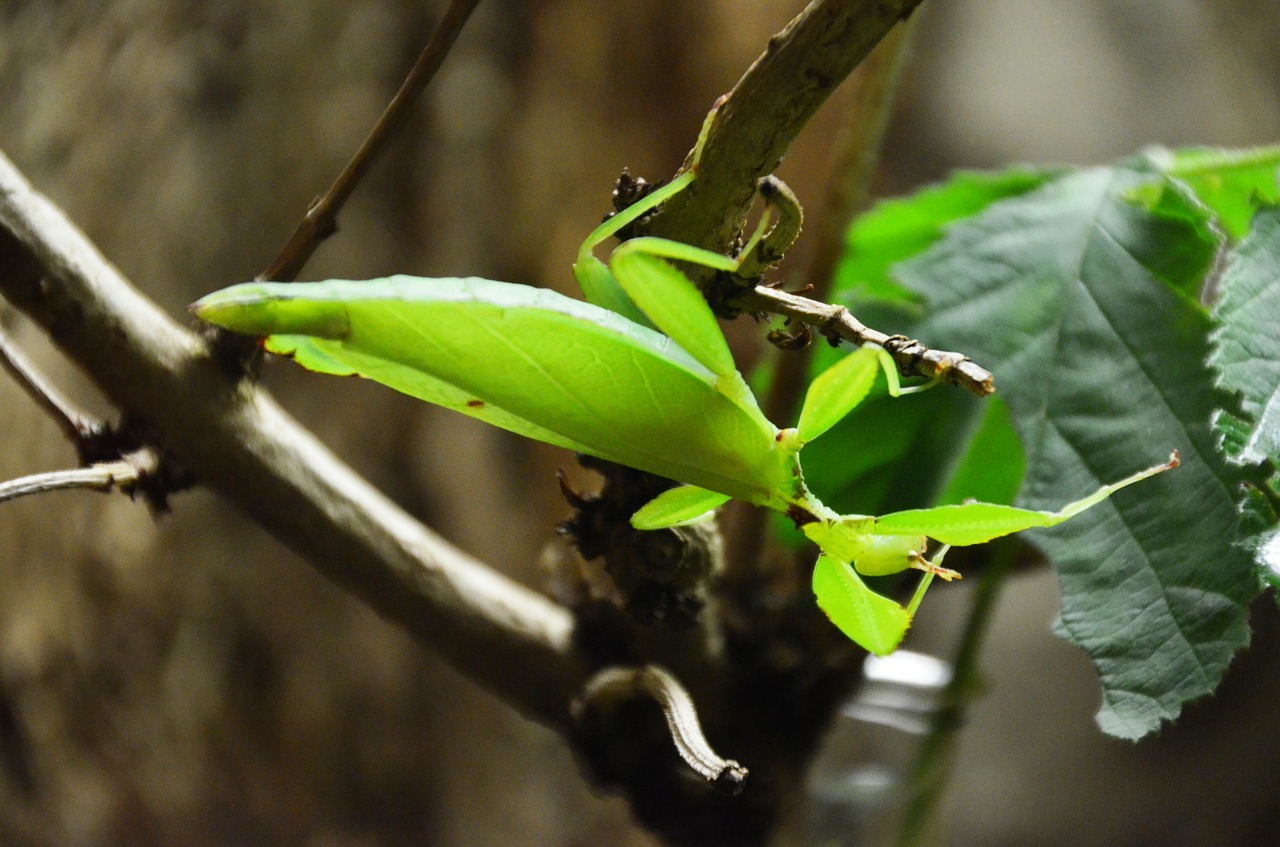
x=836, y=391
x=673, y=303
x=556, y=369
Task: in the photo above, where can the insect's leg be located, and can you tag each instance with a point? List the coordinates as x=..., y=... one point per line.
x=890, y=368
x=657, y=197
x=935, y=569
x=595, y=278
x=932, y=566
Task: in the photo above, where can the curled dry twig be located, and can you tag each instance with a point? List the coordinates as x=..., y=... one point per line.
x=615, y=684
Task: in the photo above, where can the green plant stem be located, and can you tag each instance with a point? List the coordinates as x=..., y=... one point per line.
x=931, y=772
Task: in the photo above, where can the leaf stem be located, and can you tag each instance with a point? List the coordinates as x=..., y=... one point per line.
x=933, y=766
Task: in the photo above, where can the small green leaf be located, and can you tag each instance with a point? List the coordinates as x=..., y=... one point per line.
x=1233, y=183
x=1246, y=353
x=678, y=506
x=875, y=623
x=836, y=391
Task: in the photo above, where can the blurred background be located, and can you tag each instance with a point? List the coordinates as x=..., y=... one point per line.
x=186, y=680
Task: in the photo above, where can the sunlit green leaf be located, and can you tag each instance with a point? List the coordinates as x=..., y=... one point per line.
x=895, y=230
x=1233, y=183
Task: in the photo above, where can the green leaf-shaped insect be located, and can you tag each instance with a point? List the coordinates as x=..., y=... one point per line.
x=640, y=375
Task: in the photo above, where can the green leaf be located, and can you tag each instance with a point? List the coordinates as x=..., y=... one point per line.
x=679, y=506
x=530, y=360
x=876, y=623
x=1100, y=361
x=1233, y=183
x=1246, y=353
x=836, y=391
x=895, y=230
x=993, y=465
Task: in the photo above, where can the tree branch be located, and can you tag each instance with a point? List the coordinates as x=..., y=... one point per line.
x=766, y=110
x=101, y=477
x=616, y=683
x=74, y=423
x=235, y=438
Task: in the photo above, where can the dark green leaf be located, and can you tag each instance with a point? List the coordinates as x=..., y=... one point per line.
x=1246, y=352
x=1063, y=293
x=898, y=229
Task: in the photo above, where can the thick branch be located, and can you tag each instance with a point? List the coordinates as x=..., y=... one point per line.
x=766, y=110
x=241, y=444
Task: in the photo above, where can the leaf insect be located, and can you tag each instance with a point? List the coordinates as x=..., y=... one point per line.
x=639, y=374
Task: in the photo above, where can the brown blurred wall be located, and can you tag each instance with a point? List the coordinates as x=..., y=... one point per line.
x=186, y=680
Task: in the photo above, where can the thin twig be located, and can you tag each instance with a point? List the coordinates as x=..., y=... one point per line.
x=933, y=766
x=614, y=684
x=321, y=219
x=74, y=423
x=106, y=476
x=912, y=357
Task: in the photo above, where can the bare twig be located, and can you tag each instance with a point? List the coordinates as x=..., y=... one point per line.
x=106, y=476
x=874, y=83
x=321, y=219
x=235, y=438
x=912, y=357
x=622, y=683
x=74, y=423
